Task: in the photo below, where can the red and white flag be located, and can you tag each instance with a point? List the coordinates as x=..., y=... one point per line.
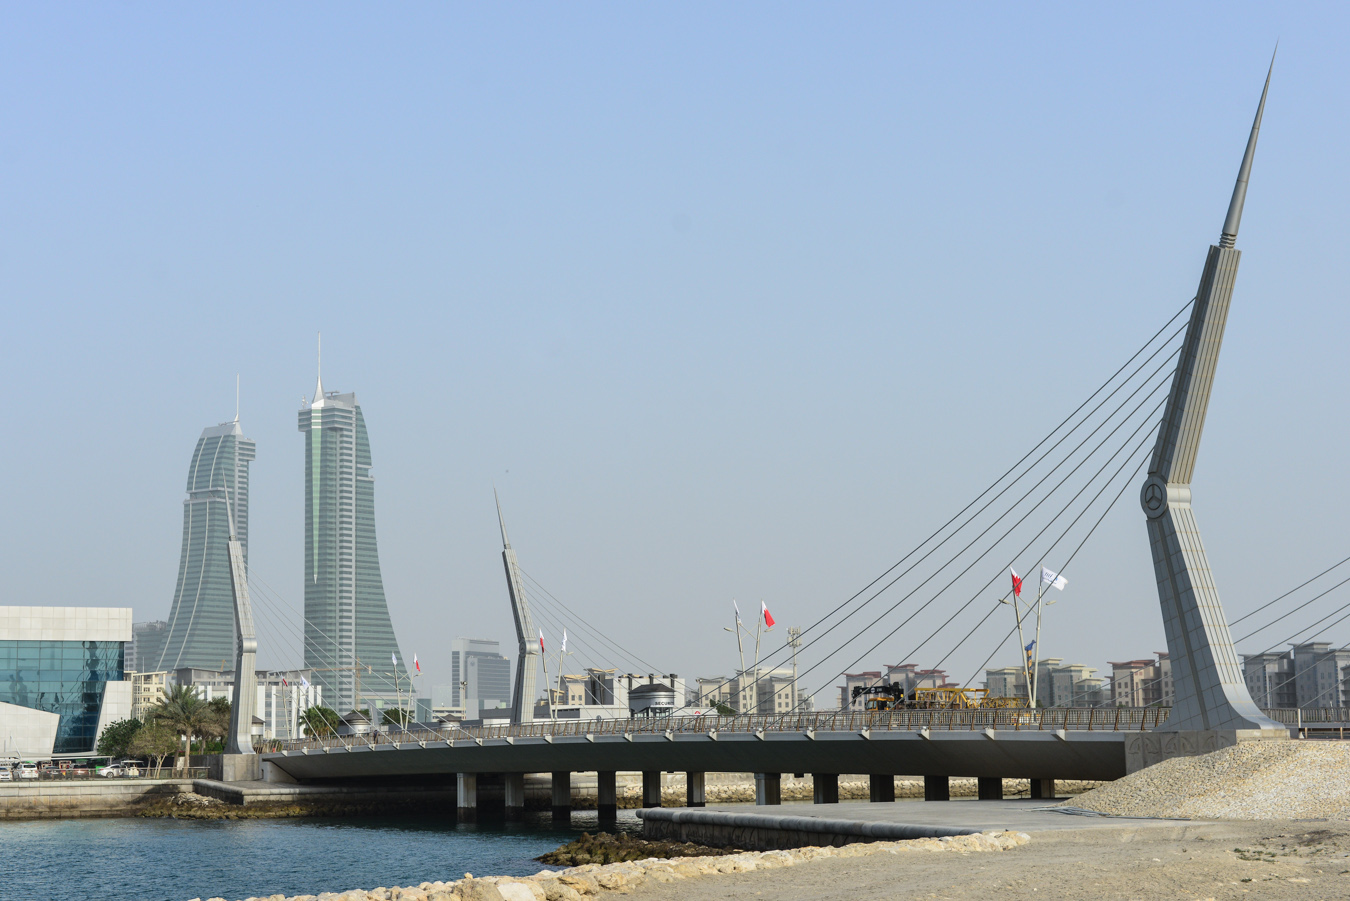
x=541, y=641
x=1017, y=583
x=768, y=617
x=417, y=666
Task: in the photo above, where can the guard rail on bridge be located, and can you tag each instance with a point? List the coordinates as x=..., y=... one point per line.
x=1105, y=719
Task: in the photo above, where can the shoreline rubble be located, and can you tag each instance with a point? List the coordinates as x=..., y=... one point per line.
x=591, y=880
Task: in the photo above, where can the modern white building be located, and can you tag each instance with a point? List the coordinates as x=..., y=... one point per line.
x=281, y=702
x=61, y=678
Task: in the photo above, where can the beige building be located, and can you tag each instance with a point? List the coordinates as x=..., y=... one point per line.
x=147, y=690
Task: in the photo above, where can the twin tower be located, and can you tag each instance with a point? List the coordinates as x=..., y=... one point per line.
x=348, y=637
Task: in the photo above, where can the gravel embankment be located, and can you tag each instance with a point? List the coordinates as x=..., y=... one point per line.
x=1250, y=781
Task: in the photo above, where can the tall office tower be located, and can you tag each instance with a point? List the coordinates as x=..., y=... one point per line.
x=200, y=631
x=480, y=676
x=349, y=640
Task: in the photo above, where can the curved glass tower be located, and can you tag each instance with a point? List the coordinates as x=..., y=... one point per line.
x=349, y=639
x=200, y=631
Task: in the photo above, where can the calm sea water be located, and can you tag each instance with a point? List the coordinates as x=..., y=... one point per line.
x=175, y=860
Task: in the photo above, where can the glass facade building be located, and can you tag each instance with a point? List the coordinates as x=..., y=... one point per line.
x=63, y=677
x=200, y=630
x=349, y=639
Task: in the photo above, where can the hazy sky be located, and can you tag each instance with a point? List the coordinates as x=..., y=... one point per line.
x=728, y=301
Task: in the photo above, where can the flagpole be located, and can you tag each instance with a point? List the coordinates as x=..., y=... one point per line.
x=1026, y=671
x=548, y=687
x=1036, y=669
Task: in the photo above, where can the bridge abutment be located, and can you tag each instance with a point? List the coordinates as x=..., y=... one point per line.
x=937, y=788
x=606, y=795
x=768, y=788
x=825, y=788
x=466, y=797
x=881, y=788
x=651, y=788
x=513, y=790
x=695, y=792
x=562, y=795
x=989, y=788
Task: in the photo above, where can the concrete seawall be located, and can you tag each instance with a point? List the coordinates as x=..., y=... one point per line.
x=104, y=798
x=760, y=832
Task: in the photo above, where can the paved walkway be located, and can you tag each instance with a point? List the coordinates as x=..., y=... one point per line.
x=1017, y=815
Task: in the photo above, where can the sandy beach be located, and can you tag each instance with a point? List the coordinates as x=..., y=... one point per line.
x=1267, y=859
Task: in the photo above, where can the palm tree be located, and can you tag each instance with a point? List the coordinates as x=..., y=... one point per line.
x=185, y=713
x=319, y=722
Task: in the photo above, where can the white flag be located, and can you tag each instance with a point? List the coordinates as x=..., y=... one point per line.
x=738, y=609
x=1053, y=579
x=562, y=649
x=304, y=682
x=393, y=657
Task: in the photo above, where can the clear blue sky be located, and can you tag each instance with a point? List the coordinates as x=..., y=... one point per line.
x=727, y=300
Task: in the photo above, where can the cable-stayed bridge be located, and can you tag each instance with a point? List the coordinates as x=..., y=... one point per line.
x=1043, y=509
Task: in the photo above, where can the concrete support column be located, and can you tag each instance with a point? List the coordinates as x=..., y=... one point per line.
x=651, y=788
x=881, y=787
x=562, y=795
x=989, y=788
x=695, y=794
x=1043, y=789
x=825, y=788
x=937, y=788
x=514, y=792
x=768, y=788
x=466, y=796
x=606, y=796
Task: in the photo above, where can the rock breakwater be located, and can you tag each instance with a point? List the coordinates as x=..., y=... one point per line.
x=591, y=880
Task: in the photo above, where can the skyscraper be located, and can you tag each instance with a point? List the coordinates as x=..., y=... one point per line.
x=200, y=630
x=349, y=640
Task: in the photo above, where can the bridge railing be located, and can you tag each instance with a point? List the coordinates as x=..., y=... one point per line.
x=1081, y=719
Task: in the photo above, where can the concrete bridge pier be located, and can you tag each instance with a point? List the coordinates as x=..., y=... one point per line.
x=989, y=788
x=768, y=788
x=562, y=795
x=514, y=793
x=466, y=797
x=606, y=796
x=881, y=788
x=937, y=788
x=1043, y=789
x=695, y=793
x=825, y=788
x=651, y=788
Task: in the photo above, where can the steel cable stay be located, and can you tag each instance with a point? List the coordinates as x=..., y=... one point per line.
x=1125, y=486
x=382, y=679
x=599, y=635
x=1009, y=510
x=590, y=657
x=1014, y=468
x=1290, y=591
x=1315, y=597
x=1116, y=682
x=1143, y=425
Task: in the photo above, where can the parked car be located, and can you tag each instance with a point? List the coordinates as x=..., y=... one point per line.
x=111, y=769
x=28, y=771
x=6, y=775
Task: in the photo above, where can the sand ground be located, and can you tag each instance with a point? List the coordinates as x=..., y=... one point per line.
x=1265, y=859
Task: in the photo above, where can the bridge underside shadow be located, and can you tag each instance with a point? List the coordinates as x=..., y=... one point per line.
x=984, y=753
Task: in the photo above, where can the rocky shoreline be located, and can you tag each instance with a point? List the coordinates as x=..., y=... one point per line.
x=591, y=880
x=192, y=806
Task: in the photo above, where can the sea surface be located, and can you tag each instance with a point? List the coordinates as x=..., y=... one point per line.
x=138, y=859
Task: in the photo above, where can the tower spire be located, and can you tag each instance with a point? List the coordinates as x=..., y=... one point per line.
x=318, y=389
x=236, y=397
x=501, y=521
x=1234, y=218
